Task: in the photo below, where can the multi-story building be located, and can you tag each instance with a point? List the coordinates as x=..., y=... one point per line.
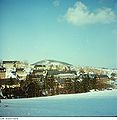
x=20, y=64
x=9, y=64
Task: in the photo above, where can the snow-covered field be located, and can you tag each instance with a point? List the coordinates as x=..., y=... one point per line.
x=101, y=103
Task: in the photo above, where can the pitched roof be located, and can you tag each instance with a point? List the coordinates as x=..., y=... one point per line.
x=4, y=62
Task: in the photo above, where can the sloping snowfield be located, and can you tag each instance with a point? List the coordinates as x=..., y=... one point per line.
x=101, y=103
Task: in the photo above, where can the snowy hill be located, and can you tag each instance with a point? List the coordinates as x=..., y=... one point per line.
x=51, y=62
x=98, y=70
x=54, y=64
x=101, y=103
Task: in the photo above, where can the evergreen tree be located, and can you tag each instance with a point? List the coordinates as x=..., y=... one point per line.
x=85, y=83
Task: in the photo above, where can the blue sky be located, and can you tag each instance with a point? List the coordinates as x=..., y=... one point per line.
x=80, y=32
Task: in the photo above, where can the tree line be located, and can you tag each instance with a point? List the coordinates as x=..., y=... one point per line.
x=49, y=85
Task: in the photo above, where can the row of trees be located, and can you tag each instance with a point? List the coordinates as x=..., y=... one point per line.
x=49, y=85
x=52, y=86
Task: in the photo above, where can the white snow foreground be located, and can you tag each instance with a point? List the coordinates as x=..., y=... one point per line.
x=101, y=103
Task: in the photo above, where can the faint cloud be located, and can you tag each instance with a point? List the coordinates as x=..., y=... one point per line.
x=79, y=14
x=56, y=3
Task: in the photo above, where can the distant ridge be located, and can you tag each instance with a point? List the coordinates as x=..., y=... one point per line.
x=48, y=61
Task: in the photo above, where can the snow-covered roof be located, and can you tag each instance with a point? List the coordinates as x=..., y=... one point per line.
x=67, y=75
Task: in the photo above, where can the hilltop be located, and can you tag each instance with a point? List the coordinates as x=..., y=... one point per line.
x=51, y=62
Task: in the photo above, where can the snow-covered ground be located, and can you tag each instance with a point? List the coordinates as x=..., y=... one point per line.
x=100, y=103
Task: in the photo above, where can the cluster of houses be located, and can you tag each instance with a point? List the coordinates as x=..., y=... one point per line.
x=18, y=71
x=12, y=70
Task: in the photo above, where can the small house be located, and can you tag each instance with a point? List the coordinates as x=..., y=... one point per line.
x=2, y=73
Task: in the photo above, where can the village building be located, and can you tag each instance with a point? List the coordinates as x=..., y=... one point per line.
x=104, y=77
x=20, y=64
x=39, y=72
x=21, y=74
x=13, y=64
x=2, y=73
x=9, y=64
x=40, y=67
x=66, y=75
